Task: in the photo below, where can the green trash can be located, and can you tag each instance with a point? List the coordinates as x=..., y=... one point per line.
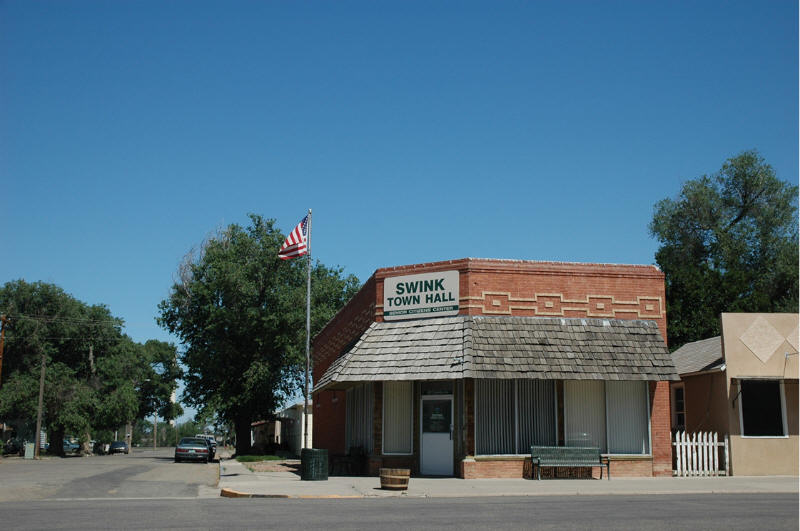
x=313, y=464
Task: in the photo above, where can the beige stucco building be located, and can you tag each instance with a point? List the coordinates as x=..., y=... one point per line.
x=744, y=384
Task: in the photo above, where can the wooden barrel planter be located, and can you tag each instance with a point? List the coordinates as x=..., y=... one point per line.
x=395, y=478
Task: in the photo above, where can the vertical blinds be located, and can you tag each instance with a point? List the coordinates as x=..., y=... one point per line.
x=584, y=414
x=536, y=407
x=397, y=417
x=512, y=415
x=628, y=431
x=358, y=418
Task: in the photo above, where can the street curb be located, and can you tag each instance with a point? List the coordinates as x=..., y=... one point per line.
x=230, y=493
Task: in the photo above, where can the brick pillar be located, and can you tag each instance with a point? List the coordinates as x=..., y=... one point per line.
x=660, y=419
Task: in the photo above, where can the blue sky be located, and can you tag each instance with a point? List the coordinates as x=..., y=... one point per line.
x=417, y=131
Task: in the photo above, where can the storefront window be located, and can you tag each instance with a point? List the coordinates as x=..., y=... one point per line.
x=513, y=415
x=612, y=415
x=358, y=419
x=397, y=417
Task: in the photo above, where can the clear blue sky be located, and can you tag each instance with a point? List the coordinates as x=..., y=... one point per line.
x=417, y=131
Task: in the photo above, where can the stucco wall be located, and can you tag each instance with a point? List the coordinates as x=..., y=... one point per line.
x=706, y=402
x=756, y=346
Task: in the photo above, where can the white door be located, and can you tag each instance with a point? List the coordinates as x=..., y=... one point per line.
x=437, y=436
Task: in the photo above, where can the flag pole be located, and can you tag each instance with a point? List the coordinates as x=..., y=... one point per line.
x=308, y=332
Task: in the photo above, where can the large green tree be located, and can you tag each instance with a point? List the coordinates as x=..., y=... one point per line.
x=96, y=377
x=239, y=311
x=729, y=243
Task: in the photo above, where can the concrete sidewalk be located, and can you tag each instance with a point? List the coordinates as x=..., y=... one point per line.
x=236, y=480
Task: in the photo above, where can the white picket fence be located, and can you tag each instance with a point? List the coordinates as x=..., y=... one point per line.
x=698, y=454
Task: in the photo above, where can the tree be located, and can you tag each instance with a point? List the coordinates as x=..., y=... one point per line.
x=729, y=243
x=240, y=313
x=94, y=373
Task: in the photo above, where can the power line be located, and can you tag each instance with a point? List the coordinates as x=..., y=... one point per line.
x=45, y=318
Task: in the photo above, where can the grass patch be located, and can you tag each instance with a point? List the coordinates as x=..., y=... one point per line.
x=257, y=458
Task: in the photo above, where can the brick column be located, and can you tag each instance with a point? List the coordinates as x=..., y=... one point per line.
x=660, y=419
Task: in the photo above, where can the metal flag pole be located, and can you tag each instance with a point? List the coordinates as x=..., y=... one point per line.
x=308, y=331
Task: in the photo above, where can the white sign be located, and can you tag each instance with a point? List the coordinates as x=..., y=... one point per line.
x=423, y=295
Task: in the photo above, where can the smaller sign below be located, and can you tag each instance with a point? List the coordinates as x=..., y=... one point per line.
x=423, y=295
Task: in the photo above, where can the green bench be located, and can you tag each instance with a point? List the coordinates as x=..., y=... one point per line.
x=567, y=456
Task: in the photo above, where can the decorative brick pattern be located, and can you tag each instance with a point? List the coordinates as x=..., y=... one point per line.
x=556, y=305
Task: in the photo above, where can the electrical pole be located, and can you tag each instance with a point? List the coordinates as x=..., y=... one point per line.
x=3, y=320
x=39, y=412
x=155, y=430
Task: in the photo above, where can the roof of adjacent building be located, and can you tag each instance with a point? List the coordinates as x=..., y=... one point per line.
x=698, y=356
x=504, y=347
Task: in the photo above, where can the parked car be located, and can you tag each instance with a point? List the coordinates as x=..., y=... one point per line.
x=71, y=447
x=192, y=449
x=118, y=447
x=13, y=446
x=212, y=443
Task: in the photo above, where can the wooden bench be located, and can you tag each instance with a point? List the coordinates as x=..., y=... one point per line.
x=567, y=456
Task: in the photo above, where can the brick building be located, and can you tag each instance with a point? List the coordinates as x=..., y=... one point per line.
x=458, y=367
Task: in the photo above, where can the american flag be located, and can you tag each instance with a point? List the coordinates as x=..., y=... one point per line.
x=295, y=244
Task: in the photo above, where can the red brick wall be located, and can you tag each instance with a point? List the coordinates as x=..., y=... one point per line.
x=526, y=288
x=345, y=327
x=507, y=287
x=660, y=419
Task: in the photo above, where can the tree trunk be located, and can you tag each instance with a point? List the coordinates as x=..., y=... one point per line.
x=57, y=442
x=242, y=436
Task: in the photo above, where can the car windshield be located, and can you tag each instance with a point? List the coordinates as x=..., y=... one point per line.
x=192, y=440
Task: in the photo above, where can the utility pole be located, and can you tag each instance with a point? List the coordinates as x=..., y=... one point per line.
x=3, y=320
x=155, y=430
x=39, y=411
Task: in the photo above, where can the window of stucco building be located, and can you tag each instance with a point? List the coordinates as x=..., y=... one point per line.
x=678, y=407
x=762, y=408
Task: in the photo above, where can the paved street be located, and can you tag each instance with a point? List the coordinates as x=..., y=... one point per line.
x=147, y=490
x=141, y=474
x=710, y=511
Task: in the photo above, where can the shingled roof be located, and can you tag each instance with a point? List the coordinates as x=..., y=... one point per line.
x=698, y=356
x=504, y=347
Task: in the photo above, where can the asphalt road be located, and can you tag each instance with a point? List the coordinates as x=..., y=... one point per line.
x=713, y=511
x=142, y=474
x=147, y=490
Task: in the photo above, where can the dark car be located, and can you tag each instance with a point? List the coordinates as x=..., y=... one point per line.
x=71, y=447
x=118, y=447
x=13, y=446
x=212, y=443
x=192, y=449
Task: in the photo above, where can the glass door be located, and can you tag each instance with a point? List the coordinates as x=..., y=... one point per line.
x=437, y=435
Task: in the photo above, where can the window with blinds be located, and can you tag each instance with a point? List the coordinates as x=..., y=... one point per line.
x=612, y=415
x=628, y=417
x=397, y=417
x=512, y=415
x=585, y=414
x=358, y=418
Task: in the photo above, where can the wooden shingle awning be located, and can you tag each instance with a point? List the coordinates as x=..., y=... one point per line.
x=468, y=346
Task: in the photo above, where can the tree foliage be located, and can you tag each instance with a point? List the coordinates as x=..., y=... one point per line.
x=729, y=243
x=96, y=377
x=240, y=313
